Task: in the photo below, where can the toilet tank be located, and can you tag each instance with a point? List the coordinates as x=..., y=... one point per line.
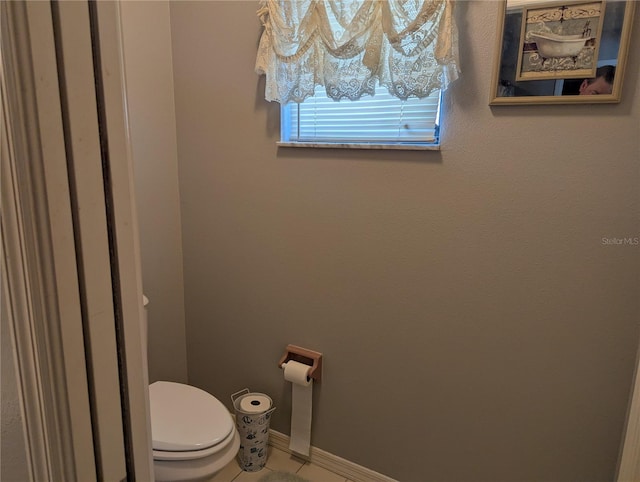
x=145, y=326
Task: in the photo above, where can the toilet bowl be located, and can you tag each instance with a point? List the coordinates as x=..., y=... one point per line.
x=193, y=434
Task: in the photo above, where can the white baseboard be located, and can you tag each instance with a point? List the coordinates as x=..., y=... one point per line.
x=331, y=462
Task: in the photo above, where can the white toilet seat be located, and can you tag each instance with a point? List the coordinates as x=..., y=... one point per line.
x=194, y=454
x=186, y=419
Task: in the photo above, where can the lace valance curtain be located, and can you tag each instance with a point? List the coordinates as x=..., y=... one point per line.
x=347, y=46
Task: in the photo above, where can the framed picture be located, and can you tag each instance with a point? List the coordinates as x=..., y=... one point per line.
x=558, y=52
x=560, y=41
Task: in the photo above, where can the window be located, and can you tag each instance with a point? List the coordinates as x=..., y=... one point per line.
x=408, y=48
x=380, y=120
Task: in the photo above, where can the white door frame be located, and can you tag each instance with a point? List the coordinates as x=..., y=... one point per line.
x=127, y=243
x=629, y=464
x=64, y=232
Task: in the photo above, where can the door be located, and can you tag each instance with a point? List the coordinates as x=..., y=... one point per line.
x=71, y=268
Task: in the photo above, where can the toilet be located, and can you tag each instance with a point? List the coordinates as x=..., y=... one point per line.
x=193, y=434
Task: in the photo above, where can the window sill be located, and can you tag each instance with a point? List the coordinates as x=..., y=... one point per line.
x=338, y=145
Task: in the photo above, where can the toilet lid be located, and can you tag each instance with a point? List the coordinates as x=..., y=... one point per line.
x=185, y=418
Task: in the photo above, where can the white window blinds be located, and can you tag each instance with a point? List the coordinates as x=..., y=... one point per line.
x=381, y=119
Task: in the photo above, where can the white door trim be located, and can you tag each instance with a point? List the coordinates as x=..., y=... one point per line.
x=39, y=258
x=629, y=465
x=127, y=244
x=85, y=163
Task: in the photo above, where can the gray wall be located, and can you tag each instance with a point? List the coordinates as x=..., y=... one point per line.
x=149, y=75
x=474, y=324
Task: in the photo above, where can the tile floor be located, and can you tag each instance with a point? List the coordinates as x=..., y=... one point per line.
x=279, y=460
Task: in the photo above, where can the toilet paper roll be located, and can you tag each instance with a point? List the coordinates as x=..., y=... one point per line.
x=298, y=373
x=255, y=403
x=301, y=405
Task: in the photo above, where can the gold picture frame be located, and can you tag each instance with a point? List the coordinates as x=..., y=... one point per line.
x=554, y=52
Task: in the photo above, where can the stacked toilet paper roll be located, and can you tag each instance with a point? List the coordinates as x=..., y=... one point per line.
x=255, y=403
x=301, y=405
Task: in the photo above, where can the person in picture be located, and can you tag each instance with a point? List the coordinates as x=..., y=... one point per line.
x=601, y=84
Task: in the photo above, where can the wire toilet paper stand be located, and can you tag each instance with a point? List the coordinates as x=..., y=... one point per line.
x=253, y=414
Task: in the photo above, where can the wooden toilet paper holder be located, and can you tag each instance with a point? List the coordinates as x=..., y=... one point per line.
x=305, y=356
